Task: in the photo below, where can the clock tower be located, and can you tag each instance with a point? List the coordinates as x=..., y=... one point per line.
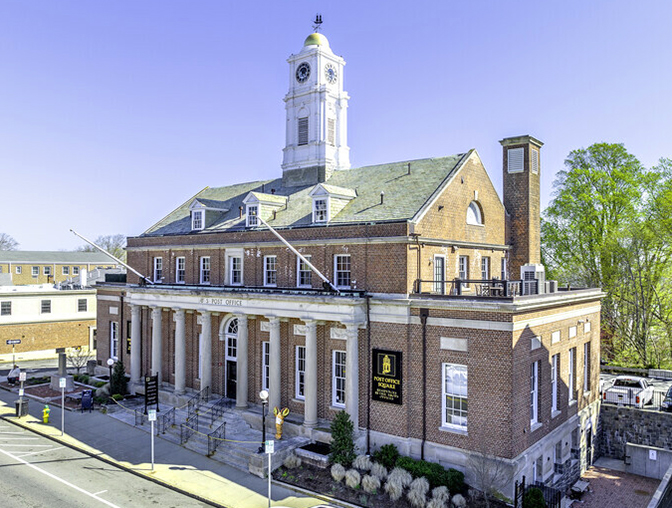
x=316, y=141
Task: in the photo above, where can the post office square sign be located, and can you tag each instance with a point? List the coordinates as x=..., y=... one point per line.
x=387, y=381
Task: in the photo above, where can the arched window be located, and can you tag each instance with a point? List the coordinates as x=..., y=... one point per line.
x=232, y=339
x=474, y=215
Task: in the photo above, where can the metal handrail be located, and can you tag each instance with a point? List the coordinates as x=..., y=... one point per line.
x=139, y=417
x=215, y=438
x=219, y=408
x=188, y=428
x=490, y=288
x=165, y=420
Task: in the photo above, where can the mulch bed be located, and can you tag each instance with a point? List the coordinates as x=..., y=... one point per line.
x=45, y=393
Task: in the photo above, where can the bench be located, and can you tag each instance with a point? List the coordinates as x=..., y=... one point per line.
x=579, y=489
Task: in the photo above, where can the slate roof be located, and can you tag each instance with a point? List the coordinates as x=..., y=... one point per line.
x=59, y=257
x=405, y=195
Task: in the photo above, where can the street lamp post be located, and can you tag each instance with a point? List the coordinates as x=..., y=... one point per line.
x=110, y=362
x=263, y=395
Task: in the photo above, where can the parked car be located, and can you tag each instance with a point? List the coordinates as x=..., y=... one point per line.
x=666, y=405
x=629, y=391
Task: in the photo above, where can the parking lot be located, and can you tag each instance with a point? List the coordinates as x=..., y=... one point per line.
x=660, y=387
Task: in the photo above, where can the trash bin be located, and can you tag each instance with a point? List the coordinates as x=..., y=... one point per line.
x=21, y=407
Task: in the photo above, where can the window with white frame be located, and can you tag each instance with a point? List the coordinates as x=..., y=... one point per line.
x=5, y=308
x=571, y=374
x=534, y=393
x=485, y=268
x=514, y=159
x=454, y=396
x=180, y=270
x=75, y=270
x=342, y=270
x=66, y=270
x=300, y=375
x=474, y=215
x=338, y=379
x=555, y=337
x=252, y=213
x=555, y=362
x=47, y=270
x=586, y=327
x=304, y=273
x=158, y=269
x=503, y=271
x=114, y=340
x=82, y=305
x=572, y=332
x=197, y=219
x=36, y=271
x=205, y=270
x=235, y=271
x=464, y=269
x=232, y=340
x=303, y=131
x=320, y=209
x=19, y=269
x=586, y=367
x=270, y=271
x=45, y=307
x=440, y=274
x=265, y=364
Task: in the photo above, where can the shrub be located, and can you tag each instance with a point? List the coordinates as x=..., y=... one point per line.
x=118, y=381
x=387, y=456
x=402, y=475
x=342, y=444
x=441, y=493
x=416, y=498
x=99, y=384
x=292, y=461
x=337, y=472
x=352, y=478
x=534, y=498
x=370, y=484
x=435, y=473
x=379, y=471
x=459, y=501
x=84, y=379
x=362, y=462
x=118, y=396
x=394, y=488
x=421, y=485
x=437, y=503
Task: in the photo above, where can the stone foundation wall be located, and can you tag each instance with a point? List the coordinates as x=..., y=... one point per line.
x=621, y=425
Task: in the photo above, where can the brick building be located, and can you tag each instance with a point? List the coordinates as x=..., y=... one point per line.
x=435, y=330
x=49, y=267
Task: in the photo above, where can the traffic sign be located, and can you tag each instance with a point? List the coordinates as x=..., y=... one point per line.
x=151, y=415
x=270, y=446
x=12, y=342
x=61, y=382
x=22, y=376
x=20, y=392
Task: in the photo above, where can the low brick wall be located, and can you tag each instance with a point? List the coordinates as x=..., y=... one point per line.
x=621, y=425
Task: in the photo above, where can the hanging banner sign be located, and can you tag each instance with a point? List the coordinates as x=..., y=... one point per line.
x=387, y=381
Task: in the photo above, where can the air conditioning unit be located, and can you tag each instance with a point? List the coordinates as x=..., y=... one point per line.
x=534, y=279
x=551, y=286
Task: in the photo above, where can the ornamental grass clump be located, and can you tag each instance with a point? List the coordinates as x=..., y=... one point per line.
x=362, y=462
x=421, y=485
x=441, y=493
x=459, y=501
x=352, y=478
x=404, y=477
x=437, y=503
x=292, y=461
x=337, y=472
x=394, y=488
x=379, y=471
x=370, y=484
x=417, y=498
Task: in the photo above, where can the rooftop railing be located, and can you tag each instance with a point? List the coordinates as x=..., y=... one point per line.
x=489, y=288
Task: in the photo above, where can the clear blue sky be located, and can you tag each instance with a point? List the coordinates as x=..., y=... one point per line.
x=114, y=113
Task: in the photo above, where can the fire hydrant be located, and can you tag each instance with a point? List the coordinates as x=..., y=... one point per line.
x=45, y=414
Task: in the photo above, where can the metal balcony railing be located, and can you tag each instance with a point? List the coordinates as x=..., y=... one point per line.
x=491, y=288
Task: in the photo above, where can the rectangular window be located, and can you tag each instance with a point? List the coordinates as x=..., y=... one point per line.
x=572, y=332
x=538, y=469
x=303, y=131
x=19, y=269
x=75, y=270
x=503, y=270
x=82, y=305
x=342, y=271
x=534, y=393
x=45, y=307
x=36, y=271
x=235, y=271
x=555, y=361
x=232, y=347
x=47, y=270
x=66, y=270
x=440, y=275
x=586, y=367
x=557, y=452
x=197, y=219
x=572, y=374
x=114, y=340
x=205, y=270
x=180, y=270
x=300, y=372
x=331, y=131
x=555, y=337
x=270, y=271
x=464, y=269
x=265, y=364
x=158, y=269
x=304, y=273
x=514, y=160
x=5, y=308
x=252, y=212
x=485, y=268
x=320, y=213
x=454, y=396
x=586, y=327
x=338, y=379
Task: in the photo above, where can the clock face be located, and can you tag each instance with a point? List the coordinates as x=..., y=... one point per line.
x=302, y=72
x=330, y=73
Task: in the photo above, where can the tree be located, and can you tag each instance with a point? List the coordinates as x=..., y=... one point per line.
x=78, y=357
x=118, y=381
x=342, y=444
x=114, y=244
x=7, y=242
x=490, y=473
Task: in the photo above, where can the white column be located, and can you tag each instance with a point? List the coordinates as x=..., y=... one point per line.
x=310, y=385
x=136, y=338
x=352, y=374
x=275, y=378
x=156, y=342
x=241, y=362
x=180, y=353
x=205, y=348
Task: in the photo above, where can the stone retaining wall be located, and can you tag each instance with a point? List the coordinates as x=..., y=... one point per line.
x=621, y=425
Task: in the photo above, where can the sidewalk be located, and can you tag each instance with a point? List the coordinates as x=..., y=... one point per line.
x=174, y=466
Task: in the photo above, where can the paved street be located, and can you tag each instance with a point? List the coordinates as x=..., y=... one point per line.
x=39, y=472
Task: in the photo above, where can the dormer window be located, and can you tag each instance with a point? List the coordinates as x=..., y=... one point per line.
x=320, y=207
x=252, y=212
x=474, y=215
x=261, y=206
x=197, y=219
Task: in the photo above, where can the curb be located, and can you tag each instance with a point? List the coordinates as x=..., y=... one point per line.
x=13, y=421
x=317, y=495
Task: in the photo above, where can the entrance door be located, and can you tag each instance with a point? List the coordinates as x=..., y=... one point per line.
x=231, y=373
x=231, y=357
x=440, y=275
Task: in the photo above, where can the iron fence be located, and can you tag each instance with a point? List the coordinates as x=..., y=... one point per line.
x=215, y=438
x=553, y=497
x=493, y=288
x=165, y=420
x=219, y=408
x=629, y=398
x=139, y=417
x=188, y=428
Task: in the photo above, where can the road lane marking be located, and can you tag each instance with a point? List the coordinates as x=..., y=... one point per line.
x=41, y=451
x=101, y=492
x=31, y=445
x=54, y=477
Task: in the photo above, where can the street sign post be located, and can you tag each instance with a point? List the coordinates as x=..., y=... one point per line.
x=152, y=418
x=22, y=376
x=61, y=384
x=12, y=342
x=270, y=448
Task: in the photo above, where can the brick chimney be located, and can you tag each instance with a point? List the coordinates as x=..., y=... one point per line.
x=522, y=169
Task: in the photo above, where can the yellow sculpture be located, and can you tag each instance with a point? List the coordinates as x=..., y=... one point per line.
x=279, y=420
x=387, y=365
